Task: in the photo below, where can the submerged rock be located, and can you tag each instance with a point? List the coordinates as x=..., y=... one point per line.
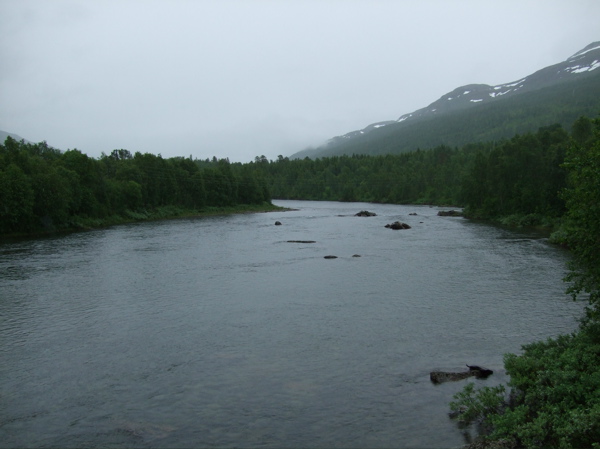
x=330, y=257
x=450, y=213
x=365, y=213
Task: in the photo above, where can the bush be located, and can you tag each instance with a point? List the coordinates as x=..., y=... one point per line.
x=555, y=400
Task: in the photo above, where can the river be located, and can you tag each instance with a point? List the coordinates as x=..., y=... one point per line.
x=220, y=332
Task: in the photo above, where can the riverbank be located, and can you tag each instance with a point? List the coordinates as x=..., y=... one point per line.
x=78, y=224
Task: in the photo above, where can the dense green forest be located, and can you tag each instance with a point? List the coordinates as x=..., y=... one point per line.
x=44, y=189
x=520, y=177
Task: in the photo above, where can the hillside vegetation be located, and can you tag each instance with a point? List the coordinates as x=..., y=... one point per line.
x=561, y=104
x=519, y=177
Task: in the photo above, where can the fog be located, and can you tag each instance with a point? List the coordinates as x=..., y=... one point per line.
x=240, y=79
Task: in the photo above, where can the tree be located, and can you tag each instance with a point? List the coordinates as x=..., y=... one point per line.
x=582, y=198
x=16, y=200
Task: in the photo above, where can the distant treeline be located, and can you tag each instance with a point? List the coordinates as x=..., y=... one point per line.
x=518, y=176
x=42, y=188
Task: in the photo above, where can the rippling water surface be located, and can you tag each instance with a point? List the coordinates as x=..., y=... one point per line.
x=220, y=332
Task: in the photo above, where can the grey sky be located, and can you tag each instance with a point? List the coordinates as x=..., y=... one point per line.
x=240, y=78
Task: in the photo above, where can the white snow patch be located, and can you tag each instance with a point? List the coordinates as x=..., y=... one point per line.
x=580, y=69
x=515, y=83
x=476, y=101
x=466, y=92
x=378, y=126
x=584, y=52
x=499, y=94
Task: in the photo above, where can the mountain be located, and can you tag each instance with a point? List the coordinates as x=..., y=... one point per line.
x=4, y=135
x=478, y=112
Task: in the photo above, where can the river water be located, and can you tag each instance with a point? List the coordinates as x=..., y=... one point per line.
x=219, y=332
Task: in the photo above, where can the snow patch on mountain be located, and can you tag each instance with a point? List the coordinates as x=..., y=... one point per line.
x=471, y=95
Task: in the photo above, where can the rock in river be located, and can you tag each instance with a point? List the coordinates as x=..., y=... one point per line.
x=397, y=225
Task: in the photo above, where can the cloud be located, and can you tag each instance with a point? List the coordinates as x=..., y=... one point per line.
x=244, y=78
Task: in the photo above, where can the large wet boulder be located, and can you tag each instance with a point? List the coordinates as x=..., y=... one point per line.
x=450, y=213
x=397, y=225
x=365, y=213
x=437, y=377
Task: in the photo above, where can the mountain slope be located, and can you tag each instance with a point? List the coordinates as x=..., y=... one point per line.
x=4, y=135
x=556, y=94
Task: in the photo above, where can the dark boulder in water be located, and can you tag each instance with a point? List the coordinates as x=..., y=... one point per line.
x=474, y=371
x=450, y=213
x=397, y=225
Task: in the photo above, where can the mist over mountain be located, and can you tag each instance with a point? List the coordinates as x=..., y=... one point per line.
x=4, y=135
x=559, y=93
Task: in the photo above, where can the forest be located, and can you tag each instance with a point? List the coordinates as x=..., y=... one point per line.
x=518, y=178
x=44, y=189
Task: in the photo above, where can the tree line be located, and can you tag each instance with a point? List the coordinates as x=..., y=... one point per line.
x=519, y=176
x=42, y=188
x=45, y=188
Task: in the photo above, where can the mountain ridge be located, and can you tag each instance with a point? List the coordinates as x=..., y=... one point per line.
x=463, y=99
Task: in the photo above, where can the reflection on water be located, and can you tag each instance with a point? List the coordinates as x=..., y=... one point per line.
x=219, y=332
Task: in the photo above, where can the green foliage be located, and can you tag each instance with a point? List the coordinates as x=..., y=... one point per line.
x=582, y=227
x=519, y=177
x=44, y=189
x=554, y=398
x=16, y=199
x=477, y=404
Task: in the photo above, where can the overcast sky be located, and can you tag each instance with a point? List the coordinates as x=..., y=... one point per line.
x=244, y=78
